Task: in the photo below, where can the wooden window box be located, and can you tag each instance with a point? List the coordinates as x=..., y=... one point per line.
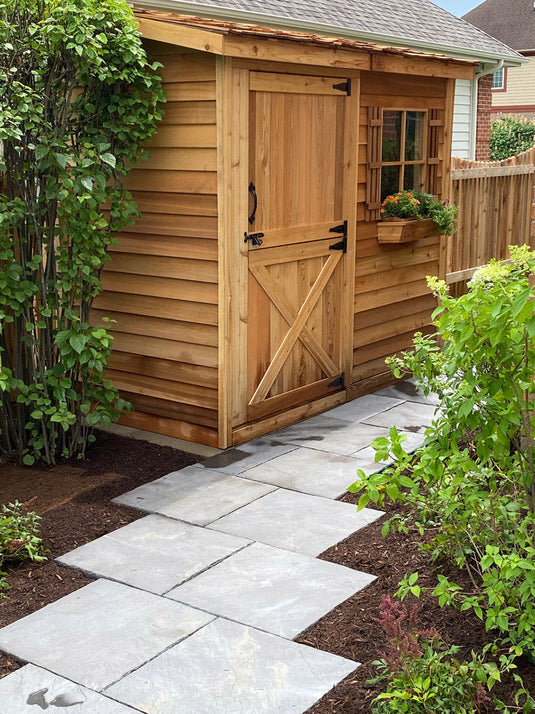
x=405, y=230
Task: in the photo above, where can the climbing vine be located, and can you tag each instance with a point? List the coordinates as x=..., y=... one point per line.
x=78, y=97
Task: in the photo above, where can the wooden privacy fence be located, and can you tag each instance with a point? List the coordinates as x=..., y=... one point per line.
x=495, y=202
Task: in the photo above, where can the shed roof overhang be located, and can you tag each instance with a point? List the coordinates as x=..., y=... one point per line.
x=250, y=41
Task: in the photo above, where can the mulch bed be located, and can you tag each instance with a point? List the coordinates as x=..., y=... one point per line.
x=74, y=500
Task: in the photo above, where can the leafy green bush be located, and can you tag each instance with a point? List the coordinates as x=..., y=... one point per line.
x=19, y=537
x=509, y=136
x=472, y=486
x=422, y=672
x=77, y=100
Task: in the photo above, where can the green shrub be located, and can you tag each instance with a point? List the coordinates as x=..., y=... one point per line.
x=510, y=136
x=19, y=537
x=78, y=98
x=472, y=486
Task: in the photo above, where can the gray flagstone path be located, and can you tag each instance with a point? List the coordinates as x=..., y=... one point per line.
x=197, y=605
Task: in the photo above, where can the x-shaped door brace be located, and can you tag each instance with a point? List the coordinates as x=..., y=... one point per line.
x=297, y=324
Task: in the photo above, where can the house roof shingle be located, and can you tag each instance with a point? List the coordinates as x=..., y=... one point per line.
x=401, y=21
x=512, y=22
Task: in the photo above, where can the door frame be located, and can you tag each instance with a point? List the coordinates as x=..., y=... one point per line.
x=232, y=95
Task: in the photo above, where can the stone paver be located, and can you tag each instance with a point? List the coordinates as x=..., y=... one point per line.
x=32, y=689
x=412, y=442
x=99, y=633
x=171, y=551
x=296, y=521
x=310, y=471
x=410, y=416
x=271, y=589
x=336, y=436
x=235, y=461
x=363, y=407
x=194, y=494
x=227, y=668
x=407, y=390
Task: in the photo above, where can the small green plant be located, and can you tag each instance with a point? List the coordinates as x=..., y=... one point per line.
x=422, y=672
x=510, y=136
x=415, y=204
x=19, y=537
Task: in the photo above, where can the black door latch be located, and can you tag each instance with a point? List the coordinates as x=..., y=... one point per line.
x=255, y=238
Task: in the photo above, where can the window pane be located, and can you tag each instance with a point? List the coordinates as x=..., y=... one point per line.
x=498, y=79
x=389, y=181
x=413, y=177
x=391, y=135
x=414, y=136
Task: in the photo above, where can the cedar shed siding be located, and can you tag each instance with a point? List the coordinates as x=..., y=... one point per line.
x=161, y=283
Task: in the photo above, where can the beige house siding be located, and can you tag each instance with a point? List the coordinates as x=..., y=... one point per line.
x=520, y=87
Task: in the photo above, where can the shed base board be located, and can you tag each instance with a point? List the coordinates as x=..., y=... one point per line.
x=171, y=427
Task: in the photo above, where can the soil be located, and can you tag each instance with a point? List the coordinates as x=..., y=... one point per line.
x=74, y=501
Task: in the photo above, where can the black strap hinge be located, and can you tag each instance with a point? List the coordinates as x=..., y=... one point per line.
x=342, y=244
x=344, y=87
x=339, y=381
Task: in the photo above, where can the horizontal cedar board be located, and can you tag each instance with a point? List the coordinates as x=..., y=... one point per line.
x=395, y=276
x=172, y=246
x=181, y=160
x=134, y=285
x=381, y=84
x=186, y=204
x=171, y=427
x=395, y=293
x=396, y=311
x=391, y=328
x=370, y=369
x=294, y=84
x=190, y=91
x=166, y=349
x=170, y=225
x=192, y=394
x=172, y=410
x=144, y=179
x=184, y=136
x=402, y=102
x=189, y=113
x=382, y=348
x=376, y=365
x=370, y=247
x=193, y=67
x=403, y=257
x=163, y=369
x=167, y=329
x=166, y=308
x=180, y=268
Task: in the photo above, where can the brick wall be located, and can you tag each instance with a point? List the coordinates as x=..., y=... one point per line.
x=484, y=110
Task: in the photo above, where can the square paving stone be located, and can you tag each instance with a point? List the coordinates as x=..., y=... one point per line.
x=271, y=589
x=336, y=436
x=411, y=443
x=366, y=406
x=296, y=521
x=227, y=668
x=410, y=416
x=194, y=494
x=154, y=553
x=407, y=389
x=32, y=689
x=97, y=634
x=314, y=472
x=235, y=461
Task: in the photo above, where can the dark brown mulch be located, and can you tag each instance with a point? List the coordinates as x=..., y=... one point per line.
x=75, y=502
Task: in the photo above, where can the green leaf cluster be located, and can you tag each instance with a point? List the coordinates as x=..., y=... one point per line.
x=19, y=537
x=510, y=136
x=471, y=487
x=78, y=99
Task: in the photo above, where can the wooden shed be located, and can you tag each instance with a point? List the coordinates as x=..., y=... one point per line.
x=254, y=291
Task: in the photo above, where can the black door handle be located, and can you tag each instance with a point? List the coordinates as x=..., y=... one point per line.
x=252, y=191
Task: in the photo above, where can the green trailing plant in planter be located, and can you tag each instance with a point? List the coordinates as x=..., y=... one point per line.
x=419, y=206
x=78, y=98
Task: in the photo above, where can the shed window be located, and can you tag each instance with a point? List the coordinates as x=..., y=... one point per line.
x=403, y=156
x=498, y=79
x=403, y=153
